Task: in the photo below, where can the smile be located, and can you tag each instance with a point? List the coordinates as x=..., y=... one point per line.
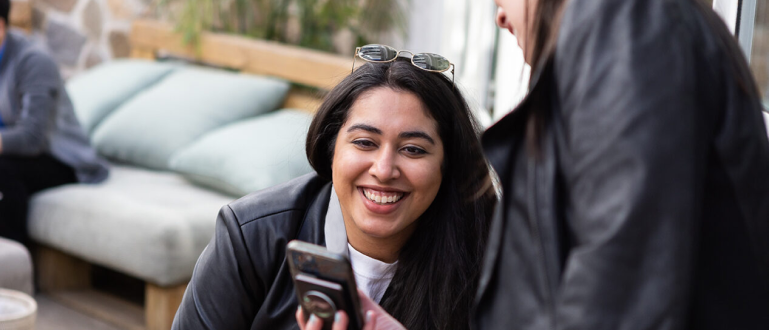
x=382, y=197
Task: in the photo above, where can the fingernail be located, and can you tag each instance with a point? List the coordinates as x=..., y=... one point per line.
x=313, y=319
x=369, y=316
x=298, y=307
x=337, y=317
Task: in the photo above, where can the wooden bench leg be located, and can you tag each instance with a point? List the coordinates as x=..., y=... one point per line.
x=59, y=271
x=160, y=305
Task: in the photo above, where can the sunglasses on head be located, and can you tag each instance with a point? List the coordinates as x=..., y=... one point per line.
x=385, y=54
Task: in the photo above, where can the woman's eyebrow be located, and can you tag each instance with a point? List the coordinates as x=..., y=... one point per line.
x=404, y=135
x=367, y=128
x=417, y=134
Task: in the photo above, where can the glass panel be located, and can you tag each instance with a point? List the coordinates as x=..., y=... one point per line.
x=759, y=57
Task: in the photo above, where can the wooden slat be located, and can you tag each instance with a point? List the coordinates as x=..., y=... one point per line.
x=302, y=100
x=108, y=308
x=147, y=54
x=56, y=270
x=161, y=305
x=21, y=14
x=296, y=64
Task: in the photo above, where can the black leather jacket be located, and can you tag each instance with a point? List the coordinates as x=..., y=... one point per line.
x=241, y=281
x=635, y=179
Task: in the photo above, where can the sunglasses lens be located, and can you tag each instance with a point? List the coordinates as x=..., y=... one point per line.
x=431, y=62
x=377, y=53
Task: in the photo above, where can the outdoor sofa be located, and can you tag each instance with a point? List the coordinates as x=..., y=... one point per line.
x=183, y=140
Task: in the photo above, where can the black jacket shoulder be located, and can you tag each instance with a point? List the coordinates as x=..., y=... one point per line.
x=241, y=280
x=294, y=195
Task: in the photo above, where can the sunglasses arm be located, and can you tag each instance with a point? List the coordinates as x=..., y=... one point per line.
x=357, y=49
x=452, y=75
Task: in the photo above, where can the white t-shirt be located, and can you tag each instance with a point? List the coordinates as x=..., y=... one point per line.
x=371, y=275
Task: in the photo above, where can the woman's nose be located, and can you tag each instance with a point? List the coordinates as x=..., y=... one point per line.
x=384, y=167
x=501, y=18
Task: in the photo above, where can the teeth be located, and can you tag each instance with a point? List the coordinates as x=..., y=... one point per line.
x=382, y=197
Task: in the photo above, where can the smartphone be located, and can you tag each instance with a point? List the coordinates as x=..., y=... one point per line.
x=324, y=283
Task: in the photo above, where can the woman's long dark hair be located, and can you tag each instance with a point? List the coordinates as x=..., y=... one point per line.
x=439, y=266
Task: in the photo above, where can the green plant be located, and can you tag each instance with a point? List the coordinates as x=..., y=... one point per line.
x=307, y=23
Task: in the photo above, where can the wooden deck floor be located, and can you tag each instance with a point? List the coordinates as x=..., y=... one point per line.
x=52, y=315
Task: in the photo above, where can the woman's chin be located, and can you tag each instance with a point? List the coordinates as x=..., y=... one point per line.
x=383, y=229
x=377, y=232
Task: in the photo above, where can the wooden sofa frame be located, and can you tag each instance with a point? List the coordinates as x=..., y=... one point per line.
x=67, y=278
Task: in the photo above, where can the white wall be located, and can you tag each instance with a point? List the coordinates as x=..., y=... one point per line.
x=728, y=11
x=463, y=32
x=512, y=75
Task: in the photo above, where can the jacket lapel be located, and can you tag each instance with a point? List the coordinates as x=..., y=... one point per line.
x=501, y=142
x=311, y=229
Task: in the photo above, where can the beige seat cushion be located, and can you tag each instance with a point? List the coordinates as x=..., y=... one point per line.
x=148, y=224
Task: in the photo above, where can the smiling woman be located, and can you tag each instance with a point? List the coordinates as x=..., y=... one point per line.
x=402, y=188
x=392, y=130
x=386, y=170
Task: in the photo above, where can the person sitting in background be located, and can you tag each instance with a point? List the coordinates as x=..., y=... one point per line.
x=401, y=187
x=42, y=145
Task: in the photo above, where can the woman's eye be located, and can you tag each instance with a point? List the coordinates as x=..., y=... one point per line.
x=414, y=151
x=364, y=143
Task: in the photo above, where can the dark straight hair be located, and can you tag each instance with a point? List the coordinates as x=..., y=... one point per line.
x=543, y=32
x=439, y=266
x=5, y=9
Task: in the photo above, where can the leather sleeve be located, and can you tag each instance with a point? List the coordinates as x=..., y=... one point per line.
x=221, y=294
x=633, y=166
x=37, y=85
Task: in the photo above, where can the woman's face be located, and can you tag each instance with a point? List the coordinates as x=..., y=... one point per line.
x=511, y=15
x=386, y=167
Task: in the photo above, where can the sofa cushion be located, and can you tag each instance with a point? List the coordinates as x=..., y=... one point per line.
x=151, y=225
x=249, y=155
x=100, y=90
x=189, y=102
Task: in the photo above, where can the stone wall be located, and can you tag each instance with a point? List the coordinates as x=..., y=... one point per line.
x=83, y=33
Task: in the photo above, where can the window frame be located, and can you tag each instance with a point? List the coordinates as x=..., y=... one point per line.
x=740, y=18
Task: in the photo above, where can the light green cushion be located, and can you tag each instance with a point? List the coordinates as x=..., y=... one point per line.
x=100, y=90
x=249, y=155
x=188, y=103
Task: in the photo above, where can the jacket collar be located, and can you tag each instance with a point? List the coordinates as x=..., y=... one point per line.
x=500, y=143
x=311, y=229
x=498, y=139
x=336, y=234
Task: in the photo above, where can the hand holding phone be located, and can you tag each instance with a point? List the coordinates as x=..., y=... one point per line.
x=324, y=284
x=376, y=318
